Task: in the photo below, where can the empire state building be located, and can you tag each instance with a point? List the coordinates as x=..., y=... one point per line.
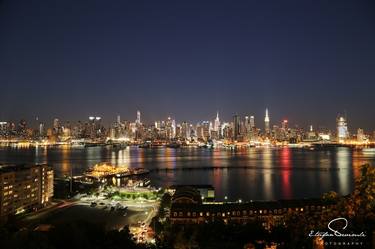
x=267, y=123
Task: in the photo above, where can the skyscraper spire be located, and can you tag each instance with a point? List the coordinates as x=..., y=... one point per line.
x=217, y=122
x=267, y=122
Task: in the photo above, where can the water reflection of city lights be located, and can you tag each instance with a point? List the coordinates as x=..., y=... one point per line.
x=286, y=172
x=267, y=174
x=343, y=164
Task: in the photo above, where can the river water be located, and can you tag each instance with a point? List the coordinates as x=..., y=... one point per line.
x=246, y=174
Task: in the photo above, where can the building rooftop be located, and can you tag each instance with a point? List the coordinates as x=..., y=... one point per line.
x=196, y=186
x=4, y=168
x=255, y=205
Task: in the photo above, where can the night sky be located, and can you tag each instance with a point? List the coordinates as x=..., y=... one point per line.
x=305, y=60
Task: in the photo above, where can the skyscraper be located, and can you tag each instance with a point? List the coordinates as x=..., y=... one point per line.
x=94, y=127
x=284, y=124
x=185, y=130
x=56, y=125
x=138, y=120
x=3, y=128
x=237, y=127
x=247, y=123
x=206, y=130
x=252, y=122
x=217, y=122
x=41, y=129
x=342, y=129
x=361, y=137
x=173, y=128
x=267, y=123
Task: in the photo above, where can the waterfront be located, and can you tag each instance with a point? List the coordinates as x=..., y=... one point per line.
x=247, y=174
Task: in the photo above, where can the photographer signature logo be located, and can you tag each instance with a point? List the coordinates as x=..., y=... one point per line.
x=336, y=233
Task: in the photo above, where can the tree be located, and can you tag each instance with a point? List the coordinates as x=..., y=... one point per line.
x=363, y=197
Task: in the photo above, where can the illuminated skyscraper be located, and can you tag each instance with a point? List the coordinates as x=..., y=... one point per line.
x=173, y=128
x=56, y=129
x=206, y=130
x=236, y=127
x=56, y=124
x=267, y=123
x=284, y=124
x=217, y=122
x=252, y=122
x=361, y=137
x=185, y=130
x=41, y=129
x=138, y=120
x=3, y=128
x=342, y=129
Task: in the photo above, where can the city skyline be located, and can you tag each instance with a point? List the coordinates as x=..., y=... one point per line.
x=306, y=61
x=187, y=124
x=264, y=122
x=239, y=129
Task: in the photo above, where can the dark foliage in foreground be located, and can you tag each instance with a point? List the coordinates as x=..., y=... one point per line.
x=80, y=235
x=217, y=235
